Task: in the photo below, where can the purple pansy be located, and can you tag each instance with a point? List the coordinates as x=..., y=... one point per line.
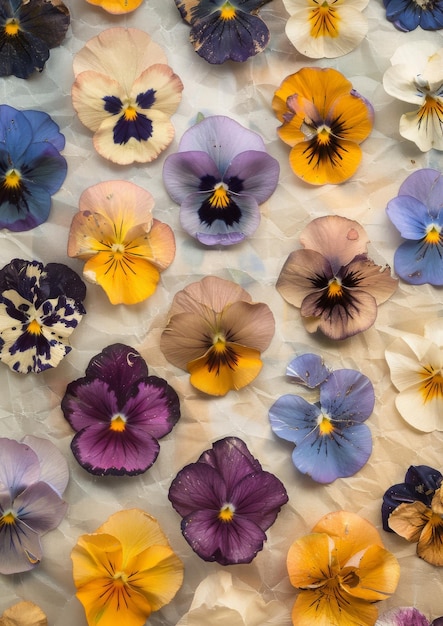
x=40, y=306
x=406, y=15
x=417, y=213
x=331, y=440
x=406, y=616
x=227, y=502
x=220, y=175
x=119, y=413
x=225, y=29
x=33, y=477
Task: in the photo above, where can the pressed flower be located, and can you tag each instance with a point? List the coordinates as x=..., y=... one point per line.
x=28, y=30
x=225, y=29
x=33, y=477
x=217, y=334
x=416, y=213
x=40, y=306
x=119, y=413
x=414, y=510
x=227, y=502
x=125, y=570
x=332, y=281
x=341, y=569
x=416, y=76
x=405, y=616
x=324, y=120
x=31, y=167
x=222, y=599
x=406, y=15
x=124, y=247
x=23, y=614
x=325, y=28
x=125, y=93
x=330, y=437
x=219, y=176
x=117, y=6
x=416, y=367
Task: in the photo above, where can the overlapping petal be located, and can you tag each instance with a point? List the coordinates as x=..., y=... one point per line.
x=407, y=15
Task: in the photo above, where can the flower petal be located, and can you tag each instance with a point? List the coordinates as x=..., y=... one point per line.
x=347, y=396
x=19, y=467
x=315, y=607
x=53, y=466
x=307, y=369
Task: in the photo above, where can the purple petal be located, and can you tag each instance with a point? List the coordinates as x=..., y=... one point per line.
x=347, y=396
x=293, y=418
x=232, y=459
x=307, y=369
x=183, y=173
x=404, y=616
x=40, y=507
x=118, y=365
x=53, y=465
x=88, y=402
x=227, y=239
x=197, y=486
x=20, y=548
x=418, y=263
x=259, y=497
x=409, y=216
x=427, y=186
x=228, y=543
x=154, y=407
x=258, y=171
x=19, y=467
x=102, y=451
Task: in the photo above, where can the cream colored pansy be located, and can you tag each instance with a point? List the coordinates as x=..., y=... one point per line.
x=326, y=28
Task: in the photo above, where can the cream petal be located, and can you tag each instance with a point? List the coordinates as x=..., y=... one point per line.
x=424, y=129
x=425, y=417
x=398, y=81
x=166, y=85
x=88, y=92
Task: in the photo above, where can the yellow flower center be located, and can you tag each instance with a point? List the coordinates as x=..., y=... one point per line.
x=219, y=198
x=12, y=27
x=324, y=21
x=430, y=108
x=325, y=425
x=431, y=387
x=121, y=577
x=7, y=519
x=226, y=513
x=12, y=179
x=335, y=289
x=227, y=11
x=118, y=423
x=130, y=113
x=34, y=328
x=433, y=234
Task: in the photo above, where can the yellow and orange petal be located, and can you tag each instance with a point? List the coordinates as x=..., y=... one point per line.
x=328, y=606
x=320, y=170
x=117, y=6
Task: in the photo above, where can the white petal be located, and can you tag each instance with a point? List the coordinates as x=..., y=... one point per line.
x=53, y=465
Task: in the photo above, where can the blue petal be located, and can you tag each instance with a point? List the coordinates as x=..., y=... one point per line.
x=405, y=14
x=347, y=396
x=409, y=216
x=45, y=129
x=417, y=263
x=427, y=186
x=293, y=418
x=15, y=131
x=308, y=369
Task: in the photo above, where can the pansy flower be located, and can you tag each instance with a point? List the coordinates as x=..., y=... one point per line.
x=28, y=30
x=124, y=247
x=416, y=368
x=330, y=438
x=33, y=477
x=117, y=7
x=406, y=15
x=125, y=570
x=416, y=76
x=332, y=281
x=417, y=213
x=414, y=510
x=341, y=569
x=219, y=176
x=217, y=334
x=324, y=120
x=406, y=616
x=125, y=93
x=326, y=28
x=227, y=503
x=31, y=167
x=119, y=413
x=40, y=306
x=23, y=613
x=225, y=29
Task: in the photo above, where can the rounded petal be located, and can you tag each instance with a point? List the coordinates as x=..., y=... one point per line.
x=258, y=172
x=53, y=466
x=19, y=466
x=307, y=369
x=402, y=615
x=410, y=216
x=44, y=129
x=40, y=508
x=322, y=609
x=117, y=7
x=426, y=185
x=20, y=548
x=347, y=396
x=306, y=560
x=259, y=497
x=166, y=86
x=293, y=418
x=418, y=263
x=183, y=172
x=317, y=168
x=197, y=486
x=88, y=92
x=299, y=275
x=378, y=575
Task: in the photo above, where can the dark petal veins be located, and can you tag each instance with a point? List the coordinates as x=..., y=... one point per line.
x=153, y=406
x=259, y=497
x=197, y=487
x=118, y=365
x=230, y=214
x=232, y=460
x=88, y=402
x=44, y=20
x=140, y=129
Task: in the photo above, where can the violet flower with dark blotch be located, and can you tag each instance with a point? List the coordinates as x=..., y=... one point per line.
x=119, y=412
x=33, y=477
x=407, y=15
x=330, y=438
x=40, y=306
x=219, y=176
x=227, y=502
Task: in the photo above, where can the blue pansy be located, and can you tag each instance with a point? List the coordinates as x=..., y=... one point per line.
x=31, y=167
x=406, y=15
x=330, y=438
x=417, y=213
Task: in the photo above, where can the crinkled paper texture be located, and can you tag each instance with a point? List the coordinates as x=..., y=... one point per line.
x=31, y=404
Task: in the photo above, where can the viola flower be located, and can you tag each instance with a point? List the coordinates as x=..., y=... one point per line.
x=125, y=570
x=40, y=306
x=416, y=213
x=416, y=367
x=28, y=30
x=23, y=614
x=406, y=15
x=117, y=7
x=227, y=502
x=330, y=438
x=33, y=477
x=31, y=167
x=216, y=333
x=341, y=569
x=332, y=281
x=219, y=176
x=416, y=76
x=225, y=29
x=414, y=510
x=125, y=93
x=406, y=616
x=325, y=28
x=119, y=413
x=324, y=120
x=124, y=247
